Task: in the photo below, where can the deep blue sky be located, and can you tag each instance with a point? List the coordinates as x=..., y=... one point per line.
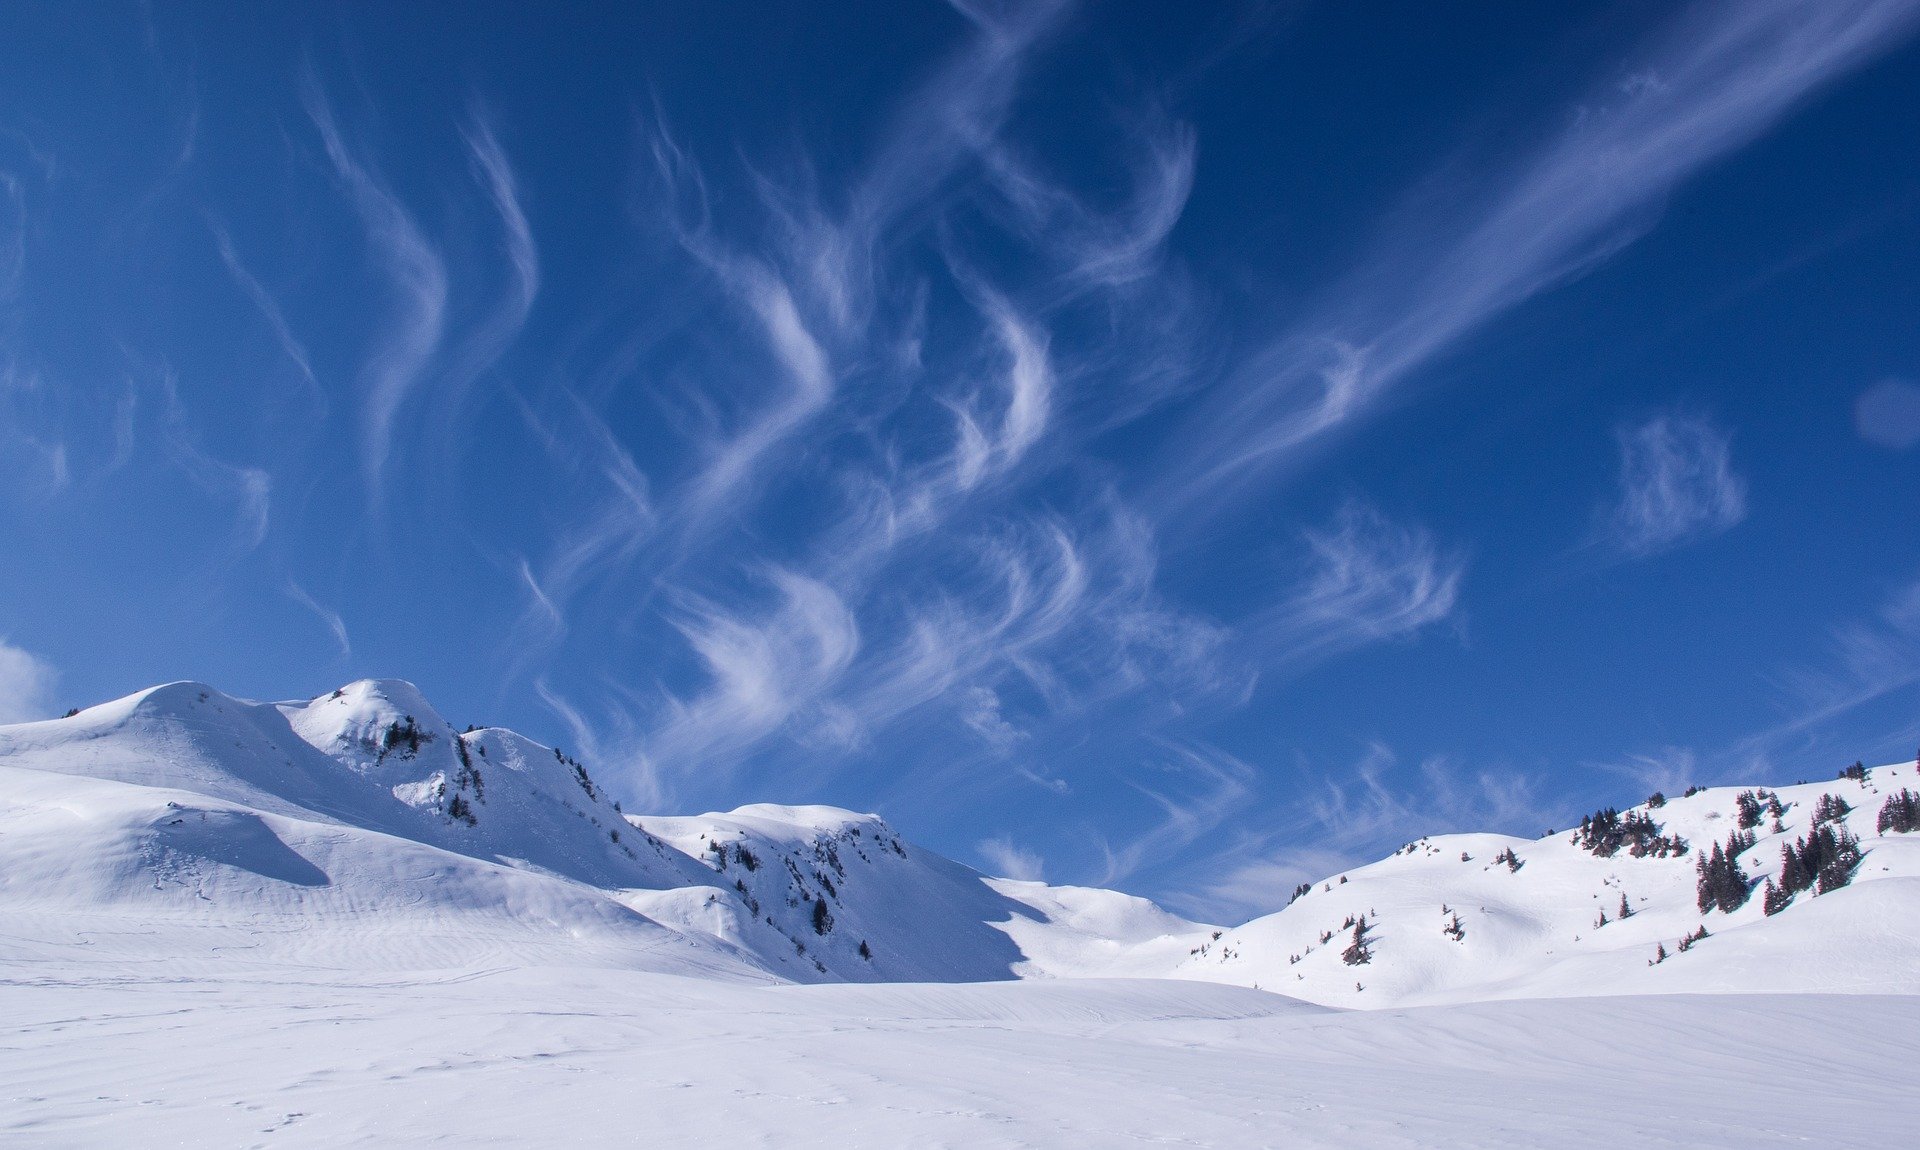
x=1179, y=453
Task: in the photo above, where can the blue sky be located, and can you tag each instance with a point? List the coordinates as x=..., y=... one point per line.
x=1181, y=453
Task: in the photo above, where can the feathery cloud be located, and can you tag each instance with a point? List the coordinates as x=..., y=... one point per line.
x=1677, y=484
x=418, y=275
x=1368, y=580
x=1719, y=77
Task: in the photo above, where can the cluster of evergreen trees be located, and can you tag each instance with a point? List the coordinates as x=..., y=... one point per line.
x=1514, y=862
x=458, y=808
x=403, y=735
x=1830, y=808
x=1824, y=860
x=1900, y=814
x=1721, y=884
x=1750, y=805
x=1606, y=831
x=1687, y=942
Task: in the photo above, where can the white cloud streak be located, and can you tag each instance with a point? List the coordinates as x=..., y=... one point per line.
x=483, y=345
x=1722, y=74
x=1368, y=580
x=418, y=275
x=268, y=307
x=763, y=673
x=336, y=626
x=1206, y=786
x=250, y=488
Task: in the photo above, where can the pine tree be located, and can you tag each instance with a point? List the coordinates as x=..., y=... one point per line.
x=1836, y=870
x=1774, y=899
x=1900, y=814
x=822, y=921
x=1794, y=876
x=1720, y=882
x=1626, y=911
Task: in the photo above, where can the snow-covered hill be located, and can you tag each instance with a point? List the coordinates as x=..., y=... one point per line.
x=363, y=813
x=325, y=826
x=1610, y=908
x=339, y=921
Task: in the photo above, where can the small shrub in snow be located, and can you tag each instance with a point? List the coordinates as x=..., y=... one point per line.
x=1357, y=952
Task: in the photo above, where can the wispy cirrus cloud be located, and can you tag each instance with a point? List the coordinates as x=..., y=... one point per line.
x=1367, y=580
x=249, y=488
x=1199, y=787
x=1719, y=76
x=417, y=273
x=269, y=309
x=1677, y=483
x=763, y=672
x=336, y=626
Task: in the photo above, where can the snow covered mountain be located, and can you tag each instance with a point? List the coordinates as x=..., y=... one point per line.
x=1669, y=896
x=372, y=929
x=344, y=824
x=364, y=812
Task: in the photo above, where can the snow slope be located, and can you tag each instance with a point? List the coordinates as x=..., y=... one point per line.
x=364, y=810
x=834, y=896
x=341, y=922
x=550, y=1055
x=1536, y=931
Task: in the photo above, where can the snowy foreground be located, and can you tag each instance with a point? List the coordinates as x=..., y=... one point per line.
x=230, y=1054
x=340, y=921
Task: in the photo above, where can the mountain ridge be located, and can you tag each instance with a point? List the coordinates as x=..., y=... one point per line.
x=363, y=809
